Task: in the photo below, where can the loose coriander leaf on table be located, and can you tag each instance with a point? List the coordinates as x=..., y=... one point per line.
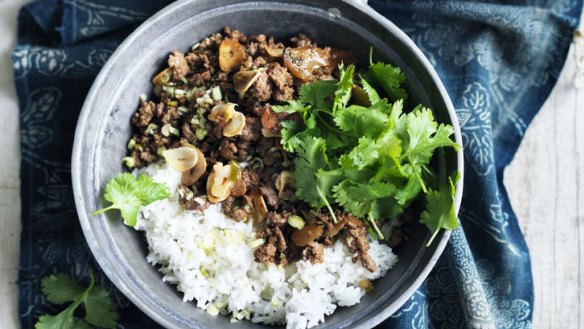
x=100, y=310
x=128, y=193
x=63, y=320
x=60, y=288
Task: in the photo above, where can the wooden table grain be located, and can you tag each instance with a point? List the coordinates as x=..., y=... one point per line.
x=545, y=182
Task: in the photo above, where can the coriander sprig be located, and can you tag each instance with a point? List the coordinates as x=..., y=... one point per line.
x=100, y=310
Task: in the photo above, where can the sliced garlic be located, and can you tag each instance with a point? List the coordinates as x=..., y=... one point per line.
x=181, y=159
x=231, y=55
x=191, y=176
x=284, y=181
x=235, y=125
x=222, y=113
x=242, y=80
x=162, y=78
x=275, y=52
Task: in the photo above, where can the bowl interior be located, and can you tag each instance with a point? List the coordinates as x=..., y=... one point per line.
x=104, y=128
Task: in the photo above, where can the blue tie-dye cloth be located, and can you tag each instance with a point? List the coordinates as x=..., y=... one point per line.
x=498, y=59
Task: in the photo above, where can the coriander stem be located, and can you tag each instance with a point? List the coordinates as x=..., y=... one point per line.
x=327, y=204
x=97, y=212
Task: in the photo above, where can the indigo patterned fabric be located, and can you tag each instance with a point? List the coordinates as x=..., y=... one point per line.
x=498, y=60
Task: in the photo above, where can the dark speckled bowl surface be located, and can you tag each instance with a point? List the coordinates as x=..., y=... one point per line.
x=104, y=128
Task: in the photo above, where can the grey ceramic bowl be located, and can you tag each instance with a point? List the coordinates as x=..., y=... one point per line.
x=104, y=128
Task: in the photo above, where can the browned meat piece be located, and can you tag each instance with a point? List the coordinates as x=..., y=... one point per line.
x=277, y=218
x=356, y=241
x=227, y=149
x=283, y=81
x=367, y=261
x=234, y=211
x=250, y=178
x=271, y=195
x=170, y=115
x=178, y=65
x=252, y=131
x=280, y=240
x=301, y=41
x=187, y=132
x=265, y=253
x=313, y=252
x=143, y=116
x=261, y=88
x=148, y=157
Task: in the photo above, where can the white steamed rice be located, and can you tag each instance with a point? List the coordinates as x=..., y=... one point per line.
x=207, y=256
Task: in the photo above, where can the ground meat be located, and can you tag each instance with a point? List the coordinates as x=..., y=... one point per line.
x=170, y=115
x=313, y=252
x=178, y=65
x=278, y=218
x=271, y=195
x=261, y=88
x=283, y=81
x=188, y=132
x=227, y=149
x=143, y=116
x=356, y=241
x=265, y=253
x=250, y=178
x=252, y=130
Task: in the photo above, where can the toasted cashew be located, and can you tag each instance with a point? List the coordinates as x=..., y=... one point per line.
x=219, y=183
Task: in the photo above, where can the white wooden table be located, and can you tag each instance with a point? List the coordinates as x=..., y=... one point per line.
x=545, y=183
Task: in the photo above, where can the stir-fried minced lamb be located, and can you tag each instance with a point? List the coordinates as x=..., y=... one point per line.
x=217, y=100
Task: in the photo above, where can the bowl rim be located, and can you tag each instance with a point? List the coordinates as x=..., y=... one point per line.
x=77, y=173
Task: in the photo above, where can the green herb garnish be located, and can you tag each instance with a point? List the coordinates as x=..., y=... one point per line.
x=100, y=310
x=373, y=161
x=128, y=193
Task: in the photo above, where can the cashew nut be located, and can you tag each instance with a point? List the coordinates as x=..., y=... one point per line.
x=219, y=184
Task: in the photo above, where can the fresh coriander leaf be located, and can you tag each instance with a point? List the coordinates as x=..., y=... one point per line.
x=358, y=198
x=63, y=320
x=291, y=106
x=313, y=181
x=319, y=94
x=388, y=77
x=100, y=309
x=343, y=92
x=370, y=91
x=289, y=132
x=363, y=155
x=360, y=121
x=440, y=211
x=59, y=288
x=128, y=193
x=149, y=191
x=423, y=136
